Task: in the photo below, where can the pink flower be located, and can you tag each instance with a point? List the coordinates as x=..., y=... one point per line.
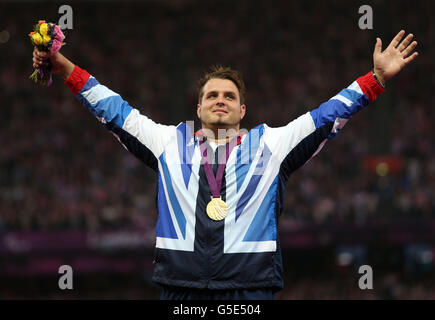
x=58, y=33
x=56, y=45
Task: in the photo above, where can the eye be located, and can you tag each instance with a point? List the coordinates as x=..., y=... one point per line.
x=230, y=96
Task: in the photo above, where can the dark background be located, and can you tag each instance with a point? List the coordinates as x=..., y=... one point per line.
x=70, y=193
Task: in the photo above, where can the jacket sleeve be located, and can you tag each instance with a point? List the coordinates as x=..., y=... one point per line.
x=304, y=137
x=139, y=134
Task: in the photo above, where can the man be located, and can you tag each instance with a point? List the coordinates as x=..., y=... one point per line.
x=220, y=190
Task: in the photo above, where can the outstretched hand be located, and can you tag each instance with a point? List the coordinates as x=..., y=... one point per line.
x=395, y=57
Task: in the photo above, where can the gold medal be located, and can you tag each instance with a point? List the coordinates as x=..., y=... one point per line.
x=217, y=209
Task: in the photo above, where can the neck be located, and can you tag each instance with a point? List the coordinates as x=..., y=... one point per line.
x=220, y=135
x=219, y=141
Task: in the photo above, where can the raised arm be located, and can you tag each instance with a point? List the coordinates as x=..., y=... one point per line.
x=304, y=137
x=139, y=134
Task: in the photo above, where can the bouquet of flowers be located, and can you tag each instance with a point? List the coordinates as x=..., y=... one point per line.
x=48, y=37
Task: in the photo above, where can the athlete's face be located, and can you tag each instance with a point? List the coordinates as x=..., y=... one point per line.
x=220, y=105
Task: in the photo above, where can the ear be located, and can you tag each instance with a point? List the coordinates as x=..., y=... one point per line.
x=198, y=111
x=242, y=111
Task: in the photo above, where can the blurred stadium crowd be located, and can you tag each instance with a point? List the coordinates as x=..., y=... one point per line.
x=62, y=170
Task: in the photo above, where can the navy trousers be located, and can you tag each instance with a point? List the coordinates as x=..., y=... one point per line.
x=181, y=293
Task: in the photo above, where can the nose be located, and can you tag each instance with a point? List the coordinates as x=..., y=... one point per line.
x=220, y=101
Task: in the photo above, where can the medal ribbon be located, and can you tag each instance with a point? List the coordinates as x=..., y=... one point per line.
x=215, y=183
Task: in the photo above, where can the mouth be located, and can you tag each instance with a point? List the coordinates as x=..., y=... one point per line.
x=221, y=111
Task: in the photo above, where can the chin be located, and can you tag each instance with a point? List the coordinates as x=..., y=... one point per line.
x=220, y=123
x=218, y=120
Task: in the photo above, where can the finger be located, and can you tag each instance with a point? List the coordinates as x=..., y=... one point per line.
x=36, y=52
x=397, y=39
x=409, y=49
x=40, y=54
x=378, y=46
x=411, y=58
x=43, y=55
x=405, y=42
x=37, y=60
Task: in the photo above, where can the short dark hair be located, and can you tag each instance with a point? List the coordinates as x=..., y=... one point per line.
x=220, y=72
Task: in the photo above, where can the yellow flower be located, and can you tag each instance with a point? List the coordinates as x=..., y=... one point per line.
x=43, y=29
x=37, y=39
x=46, y=39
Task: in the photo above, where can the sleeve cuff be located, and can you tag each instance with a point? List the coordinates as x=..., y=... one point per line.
x=369, y=86
x=77, y=79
